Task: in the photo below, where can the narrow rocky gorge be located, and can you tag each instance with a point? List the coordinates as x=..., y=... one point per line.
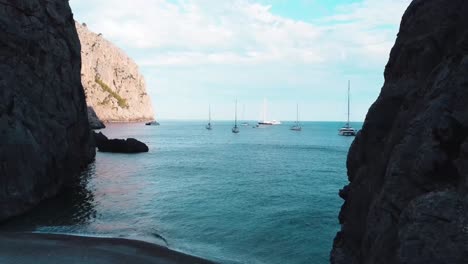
x=45, y=136
x=115, y=89
x=408, y=168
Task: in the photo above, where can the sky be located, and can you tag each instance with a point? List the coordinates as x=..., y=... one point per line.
x=195, y=53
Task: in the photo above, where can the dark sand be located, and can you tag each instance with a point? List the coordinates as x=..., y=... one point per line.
x=27, y=248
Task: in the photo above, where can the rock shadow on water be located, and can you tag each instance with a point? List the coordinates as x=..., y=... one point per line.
x=73, y=206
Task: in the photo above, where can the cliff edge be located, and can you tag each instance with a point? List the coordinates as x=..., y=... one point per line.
x=113, y=85
x=408, y=168
x=45, y=136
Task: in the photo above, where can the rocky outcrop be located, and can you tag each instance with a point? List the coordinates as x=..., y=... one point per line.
x=45, y=136
x=94, y=121
x=113, y=85
x=129, y=145
x=408, y=167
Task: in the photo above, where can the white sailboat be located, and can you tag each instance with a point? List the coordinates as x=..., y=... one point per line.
x=347, y=130
x=266, y=122
x=235, y=129
x=209, y=126
x=244, y=123
x=297, y=126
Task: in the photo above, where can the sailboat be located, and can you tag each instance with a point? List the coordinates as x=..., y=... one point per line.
x=208, y=126
x=347, y=130
x=235, y=129
x=265, y=122
x=243, y=117
x=297, y=126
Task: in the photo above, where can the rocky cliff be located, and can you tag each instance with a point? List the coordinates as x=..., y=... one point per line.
x=45, y=137
x=408, y=168
x=113, y=85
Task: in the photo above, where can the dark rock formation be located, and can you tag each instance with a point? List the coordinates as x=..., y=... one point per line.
x=45, y=136
x=94, y=121
x=152, y=123
x=408, y=167
x=130, y=145
x=100, y=139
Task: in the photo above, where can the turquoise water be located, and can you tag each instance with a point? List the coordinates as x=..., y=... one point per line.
x=261, y=196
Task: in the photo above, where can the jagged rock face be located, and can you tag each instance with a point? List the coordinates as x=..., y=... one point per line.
x=408, y=167
x=113, y=85
x=45, y=136
x=94, y=121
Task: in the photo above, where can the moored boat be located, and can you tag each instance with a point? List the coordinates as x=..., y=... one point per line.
x=347, y=130
x=266, y=122
x=209, y=126
x=235, y=129
x=152, y=123
x=297, y=126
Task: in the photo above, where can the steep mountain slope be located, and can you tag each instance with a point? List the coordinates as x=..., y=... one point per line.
x=113, y=85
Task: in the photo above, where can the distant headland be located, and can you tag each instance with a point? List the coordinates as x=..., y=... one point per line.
x=114, y=87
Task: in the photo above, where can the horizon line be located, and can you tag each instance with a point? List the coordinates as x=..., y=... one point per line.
x=248, y=120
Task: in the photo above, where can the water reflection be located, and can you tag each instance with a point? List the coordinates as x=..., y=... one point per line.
x=74, y=206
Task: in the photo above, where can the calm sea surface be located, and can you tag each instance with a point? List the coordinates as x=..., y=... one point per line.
x=261, y=196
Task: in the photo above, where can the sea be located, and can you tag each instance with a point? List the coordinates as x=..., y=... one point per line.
x=263, y=196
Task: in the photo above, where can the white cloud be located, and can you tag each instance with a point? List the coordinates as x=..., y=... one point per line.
x=366, y=30
x=197, y=43
x=241, y=31
x=238, y=31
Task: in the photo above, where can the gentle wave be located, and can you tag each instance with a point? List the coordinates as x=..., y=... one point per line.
x=262, y=196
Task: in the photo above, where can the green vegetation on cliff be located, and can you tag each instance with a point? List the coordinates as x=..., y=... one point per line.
x=121, y=101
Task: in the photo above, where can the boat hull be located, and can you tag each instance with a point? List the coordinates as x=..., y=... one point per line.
x=347, y=132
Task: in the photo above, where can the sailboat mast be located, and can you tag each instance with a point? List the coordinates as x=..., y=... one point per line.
x=209, y=114
x=349, y=88
x=297, y=113
x=235, y=120
x=243, y=112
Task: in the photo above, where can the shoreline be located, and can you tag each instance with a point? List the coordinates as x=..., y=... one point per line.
x=128, y=122
x=32, y=248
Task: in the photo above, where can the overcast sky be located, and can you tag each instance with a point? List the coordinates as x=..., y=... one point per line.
x=199, y=52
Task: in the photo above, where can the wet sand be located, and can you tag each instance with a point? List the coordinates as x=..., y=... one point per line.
x=29, y=248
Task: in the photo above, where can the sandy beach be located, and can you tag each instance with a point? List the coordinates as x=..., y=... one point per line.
x=25, y=248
